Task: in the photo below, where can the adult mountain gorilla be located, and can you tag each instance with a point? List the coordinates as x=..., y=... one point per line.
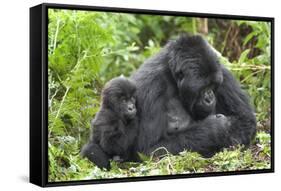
x=189, y=67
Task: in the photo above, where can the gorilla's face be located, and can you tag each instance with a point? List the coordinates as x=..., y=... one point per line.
x=119, y=95
x=128, y=106
x=197, y=73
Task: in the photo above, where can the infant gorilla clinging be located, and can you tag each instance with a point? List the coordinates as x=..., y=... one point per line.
x=114, y=128
x=179, y=119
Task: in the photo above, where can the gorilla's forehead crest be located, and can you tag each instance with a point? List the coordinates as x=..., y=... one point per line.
x=193, y=50
x=186, y=41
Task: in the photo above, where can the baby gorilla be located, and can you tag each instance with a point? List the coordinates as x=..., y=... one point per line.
x=178, y=118
x=114, y=128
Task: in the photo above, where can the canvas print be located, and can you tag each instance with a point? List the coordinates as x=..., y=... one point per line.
x=145, y=95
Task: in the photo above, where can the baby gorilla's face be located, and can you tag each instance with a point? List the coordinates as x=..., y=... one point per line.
x=119, y=95
x=128, y=106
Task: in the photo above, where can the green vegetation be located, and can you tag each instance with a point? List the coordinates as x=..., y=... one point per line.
x=86, y=49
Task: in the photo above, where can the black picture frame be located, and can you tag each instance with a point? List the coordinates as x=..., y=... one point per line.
x=39, y=91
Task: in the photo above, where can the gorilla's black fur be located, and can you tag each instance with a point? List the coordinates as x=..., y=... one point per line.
x=114, y=128
x=189, y=67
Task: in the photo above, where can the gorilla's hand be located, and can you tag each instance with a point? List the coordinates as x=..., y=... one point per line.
x=219, y=119
x=206, y=136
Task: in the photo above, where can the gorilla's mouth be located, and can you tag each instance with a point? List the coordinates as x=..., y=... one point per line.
x=130, y=115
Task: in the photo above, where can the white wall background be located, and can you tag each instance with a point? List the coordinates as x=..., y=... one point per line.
x=14, y=96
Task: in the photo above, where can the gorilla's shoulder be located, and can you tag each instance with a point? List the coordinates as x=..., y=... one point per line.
x=104, y=117
x=153, y=68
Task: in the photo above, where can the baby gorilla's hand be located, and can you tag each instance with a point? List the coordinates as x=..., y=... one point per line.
x=219, y=118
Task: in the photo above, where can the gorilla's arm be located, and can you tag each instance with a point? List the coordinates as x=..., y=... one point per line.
x=205, y=137
x=151, y=90
x=113, y=142
x=232, y=101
